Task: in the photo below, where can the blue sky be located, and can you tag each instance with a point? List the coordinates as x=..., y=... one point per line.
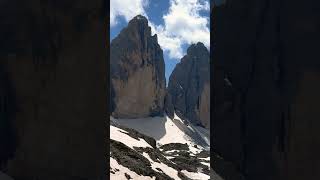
x=178, y=24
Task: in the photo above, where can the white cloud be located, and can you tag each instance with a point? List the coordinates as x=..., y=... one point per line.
x=183, y=23
x=173, y=45
x=127, y=9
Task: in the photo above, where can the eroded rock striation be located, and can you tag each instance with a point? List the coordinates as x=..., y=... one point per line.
x=137, y=72
x=188, y=92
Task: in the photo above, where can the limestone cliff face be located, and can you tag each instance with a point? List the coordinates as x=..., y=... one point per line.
x=204, y=106
x=189, y=86
x=137, y=72
x=53, y=56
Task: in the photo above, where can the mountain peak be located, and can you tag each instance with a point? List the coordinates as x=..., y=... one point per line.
x=139, y=24
x=137, y=57
x=190, y=80
x=199, y=46
x=140, y=17
x=140, y=20
x=198, y=50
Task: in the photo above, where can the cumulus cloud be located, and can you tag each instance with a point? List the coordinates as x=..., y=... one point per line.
x=171, y=44
x=183, y=23
x=127, y=9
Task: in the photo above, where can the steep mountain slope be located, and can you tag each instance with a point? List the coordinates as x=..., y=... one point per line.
x=137, y=72
x=188, y=91
x=145, y=142
x=166, y=130
x=169, y=153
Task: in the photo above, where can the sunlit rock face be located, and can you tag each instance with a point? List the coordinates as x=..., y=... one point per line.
x=137, y=72
x=189, y=87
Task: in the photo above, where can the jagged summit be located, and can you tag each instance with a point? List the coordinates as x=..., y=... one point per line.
x=140, y=17
x=137, y=72
x=140, y=21
x=137, y=27
x=197, y=45
x=198, y=49
x=188, y=91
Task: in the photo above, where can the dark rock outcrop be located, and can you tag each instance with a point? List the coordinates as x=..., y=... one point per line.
x=53, y=55
x=188, y=92
x=181, y=158
x=266, y=119
x=135, y=134
x=137, y=72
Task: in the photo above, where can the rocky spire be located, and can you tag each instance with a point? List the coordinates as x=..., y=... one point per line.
x=189, y=86
x=137, y=72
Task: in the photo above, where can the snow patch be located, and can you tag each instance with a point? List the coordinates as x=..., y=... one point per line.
x=119, y=135
x=166, y=130
x=195, y=176
x=119, y=172
x=166, y=169
x=205, y=163
x=206, y=159
x=162, y=129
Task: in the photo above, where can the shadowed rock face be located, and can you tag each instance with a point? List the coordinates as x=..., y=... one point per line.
x=189, y=87
x=266, y=118
x=53, y=56
x=137, y=72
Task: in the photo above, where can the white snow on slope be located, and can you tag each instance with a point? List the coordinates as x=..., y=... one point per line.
x=121, y=170
x=166, y=169
x=174, y=173
x=161, y=129
x=206, y=164
x=165, y=130
x=119, y=135
x=205, y=134
x=195, y=176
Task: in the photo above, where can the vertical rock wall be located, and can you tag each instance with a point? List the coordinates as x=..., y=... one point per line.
x=137, y=72
x=189, y=86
